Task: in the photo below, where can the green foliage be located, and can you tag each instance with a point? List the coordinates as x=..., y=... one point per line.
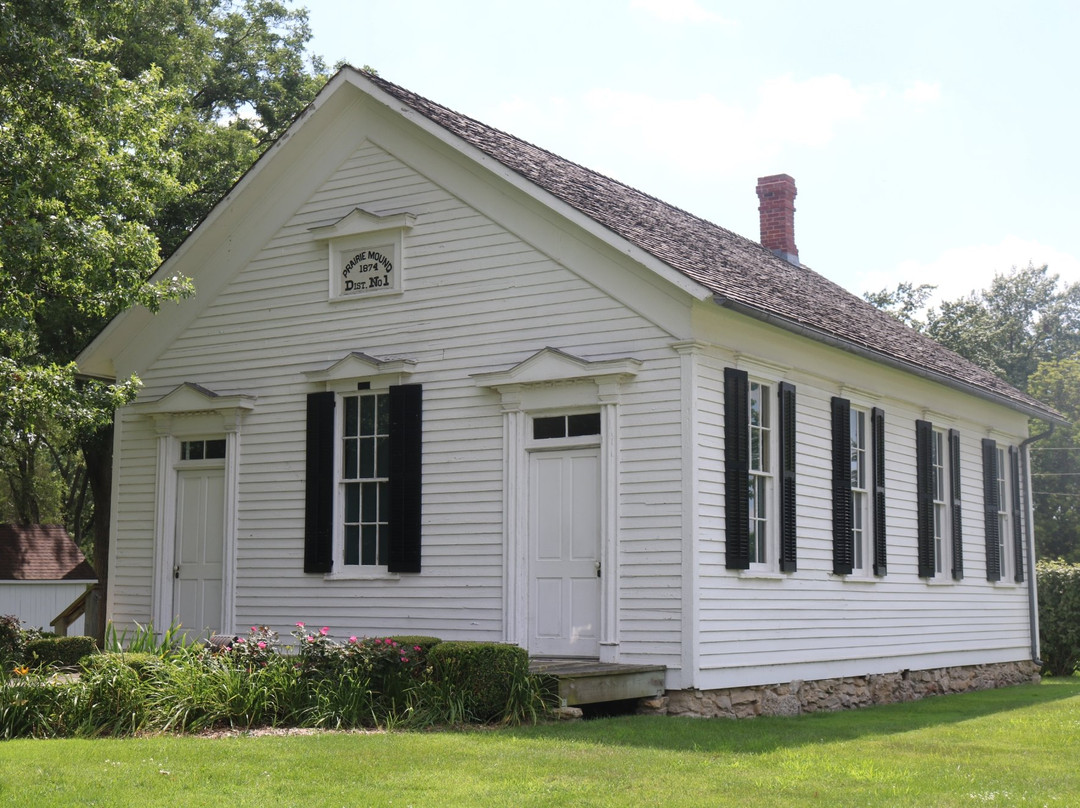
x=484, y=681
x=1025, y=328
x=1056, y=462
x=63, y=652
x=1059, y=616
x=123, y=123
x=171, y=686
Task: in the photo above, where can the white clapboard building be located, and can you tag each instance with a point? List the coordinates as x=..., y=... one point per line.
x=436, y=380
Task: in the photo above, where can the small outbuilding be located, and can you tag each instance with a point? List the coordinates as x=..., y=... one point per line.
x=42, y=574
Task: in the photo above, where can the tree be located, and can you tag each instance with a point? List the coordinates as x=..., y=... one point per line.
x=1056, y=462
x=1025, y=328
x=121, y=123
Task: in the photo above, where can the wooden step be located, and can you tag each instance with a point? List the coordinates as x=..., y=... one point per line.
x=589, y=681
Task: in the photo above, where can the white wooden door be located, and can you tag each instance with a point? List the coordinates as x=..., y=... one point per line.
x=564, y=553
x=200, y=541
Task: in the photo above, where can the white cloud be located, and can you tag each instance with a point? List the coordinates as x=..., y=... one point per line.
x=691, y=135
x=923, y=92
x=962, y=270
x=677, y=11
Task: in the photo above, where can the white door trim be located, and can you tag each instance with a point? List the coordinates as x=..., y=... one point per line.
x=193, y=411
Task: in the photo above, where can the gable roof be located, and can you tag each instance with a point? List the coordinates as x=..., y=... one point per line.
x=702, y=258
x=41, y=553
x=741, y=273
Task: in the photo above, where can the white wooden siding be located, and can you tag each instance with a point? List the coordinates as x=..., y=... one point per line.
x=476, y=298
x=811, y=623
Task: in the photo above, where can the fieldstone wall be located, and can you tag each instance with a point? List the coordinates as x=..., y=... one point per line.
x=849, y=692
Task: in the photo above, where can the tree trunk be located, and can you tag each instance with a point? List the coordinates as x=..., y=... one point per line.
x=97, y=452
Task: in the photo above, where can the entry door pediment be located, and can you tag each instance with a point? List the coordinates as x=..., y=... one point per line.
x=552, y=366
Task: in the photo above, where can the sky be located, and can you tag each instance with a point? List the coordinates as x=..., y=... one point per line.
x=930, y=142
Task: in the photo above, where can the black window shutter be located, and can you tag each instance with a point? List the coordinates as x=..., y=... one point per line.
x=319, y=484
x=843, y=541
x=877, y=447
x=956, y=506
x=788, y=521
x=1017, y=518
x=406, y=446
x=737, y=468
x=991, y=506
x=924, y=481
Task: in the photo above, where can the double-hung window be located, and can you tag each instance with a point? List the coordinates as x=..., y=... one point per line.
x=365, y=479
x=363, y=487
x=1004, y=519
x=761, y=479
x=940, y=550
x=759, y=475
x=1001, y=505
x=858, y=487
x=860, y=496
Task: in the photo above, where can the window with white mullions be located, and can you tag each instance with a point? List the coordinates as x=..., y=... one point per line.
x=364, y=479
x=860, y=497
x=1004, y=517
x=941, y=521
x=760, y=472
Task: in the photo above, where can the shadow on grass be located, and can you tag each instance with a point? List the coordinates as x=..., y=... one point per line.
x=760, y=735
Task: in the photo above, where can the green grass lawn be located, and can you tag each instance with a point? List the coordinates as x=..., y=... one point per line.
x=1016, y=746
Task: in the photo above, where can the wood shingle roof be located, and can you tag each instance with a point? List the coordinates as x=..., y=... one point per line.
x=741, y=273
x=41, y=553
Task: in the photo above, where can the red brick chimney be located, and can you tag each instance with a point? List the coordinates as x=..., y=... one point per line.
x=777, y=209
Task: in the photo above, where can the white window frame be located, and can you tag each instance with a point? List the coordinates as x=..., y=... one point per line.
x=1005, y=537
x=763, y=528
x=939, y=453
x=342, y=484
x=861, y=515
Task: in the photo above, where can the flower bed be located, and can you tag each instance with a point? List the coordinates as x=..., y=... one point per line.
x=254, y=681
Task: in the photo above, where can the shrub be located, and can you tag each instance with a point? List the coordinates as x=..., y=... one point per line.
x=64, y=652
x=483, y=681
x=1059, y=616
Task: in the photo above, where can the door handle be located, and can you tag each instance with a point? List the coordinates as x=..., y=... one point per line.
x=597, y=569
x=176, y=571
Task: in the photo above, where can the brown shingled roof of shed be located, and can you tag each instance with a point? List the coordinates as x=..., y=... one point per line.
x=41, y=553
x=741, y=273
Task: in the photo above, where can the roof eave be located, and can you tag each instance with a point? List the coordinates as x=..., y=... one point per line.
x=834, y=341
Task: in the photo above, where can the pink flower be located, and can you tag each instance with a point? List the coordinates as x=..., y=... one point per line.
x=309, y=638
x=388, y=641
x=240, y=639
x=417, y=648
x=253, y=628
x=352, y=639
x=299, y=625
x=404, y=659
x=324, y=630
x=261, y=644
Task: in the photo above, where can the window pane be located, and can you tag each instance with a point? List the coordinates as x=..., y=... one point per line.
x=350, y=451
x=370, y=503
x=383, y=414
x=367, y=458
x=545, y=428
x=367, y=415
x=588, y=424
x=369, y=544
x=351, y=407
x=215, y=449
x=352, y=502
x=383, y=537
x=352, y=544
x=382, y=457
x=192, y=450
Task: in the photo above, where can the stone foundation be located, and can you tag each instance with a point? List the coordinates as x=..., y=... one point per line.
x=847, y=693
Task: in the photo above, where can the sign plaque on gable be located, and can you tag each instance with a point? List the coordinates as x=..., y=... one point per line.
x=365, y=269
x=365, y=253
